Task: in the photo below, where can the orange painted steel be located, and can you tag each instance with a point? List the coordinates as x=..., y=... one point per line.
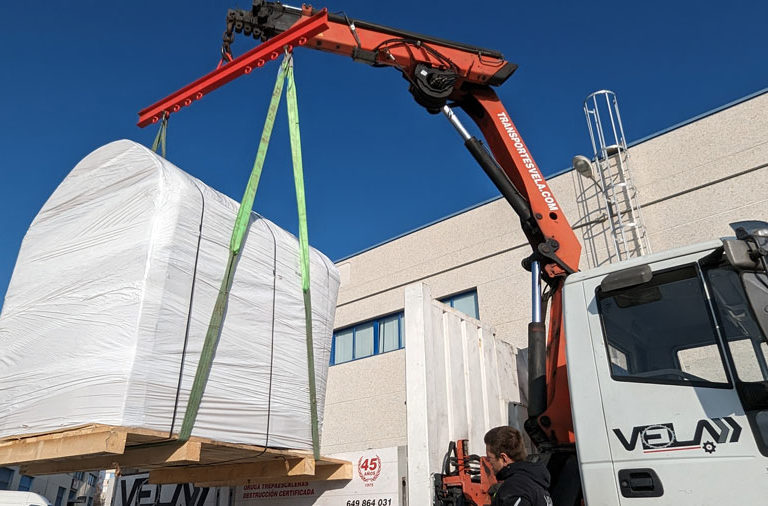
x=518, y=164
x=299, y=35
x=552, y=238
x=471, y=67
x=559, y=421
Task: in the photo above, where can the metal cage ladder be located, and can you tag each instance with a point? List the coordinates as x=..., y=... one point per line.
x=614, y=179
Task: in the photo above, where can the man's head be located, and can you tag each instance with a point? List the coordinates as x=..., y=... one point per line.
x=504, y=445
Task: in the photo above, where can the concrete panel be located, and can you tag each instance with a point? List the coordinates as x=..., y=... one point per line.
x=365, y=404
x=717, y=137
x=698, y=175
x=365, y=423
x=688, y=209
x=380, y=374
x=458, y=379
x=440, y=246
x=714, y=226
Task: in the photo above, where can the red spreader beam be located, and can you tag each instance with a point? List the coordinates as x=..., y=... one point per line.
x=297, y=35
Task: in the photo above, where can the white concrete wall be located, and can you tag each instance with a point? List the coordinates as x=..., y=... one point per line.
x=460, y=382
x=692, y=182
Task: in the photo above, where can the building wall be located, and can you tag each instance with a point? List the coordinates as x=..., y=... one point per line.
x=48, y=486
x=365, y=404
x=692, y=182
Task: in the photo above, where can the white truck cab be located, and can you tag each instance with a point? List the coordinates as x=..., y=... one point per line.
x=18, y=498
x=668, y=377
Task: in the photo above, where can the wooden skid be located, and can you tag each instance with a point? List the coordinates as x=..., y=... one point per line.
x=325, y=470
x=96, y=447
x=96, y=440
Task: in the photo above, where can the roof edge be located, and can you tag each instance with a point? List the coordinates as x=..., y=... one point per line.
x=658, y=133
x=433, y=222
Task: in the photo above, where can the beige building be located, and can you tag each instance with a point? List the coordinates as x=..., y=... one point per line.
x=76, y=489
x=692, y=180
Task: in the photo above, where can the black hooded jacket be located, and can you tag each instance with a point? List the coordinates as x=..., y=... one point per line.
x=522, y=484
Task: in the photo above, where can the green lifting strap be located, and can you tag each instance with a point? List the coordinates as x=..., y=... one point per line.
x=298, y=178
x=160, y=137
x=238, y=235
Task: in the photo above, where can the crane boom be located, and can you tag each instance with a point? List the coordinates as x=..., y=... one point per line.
x=439, y=72
x=442, y=76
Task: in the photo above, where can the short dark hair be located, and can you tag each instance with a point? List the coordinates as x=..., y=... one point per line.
x=507, y=440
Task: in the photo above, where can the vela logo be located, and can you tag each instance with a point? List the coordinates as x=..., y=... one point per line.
x=663, y=437
x=141, y=493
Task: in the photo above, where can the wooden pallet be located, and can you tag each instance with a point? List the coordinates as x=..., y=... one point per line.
x=199, y=460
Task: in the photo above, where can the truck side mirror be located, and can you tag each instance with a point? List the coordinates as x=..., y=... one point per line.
x=739, y=254
x=626, y=278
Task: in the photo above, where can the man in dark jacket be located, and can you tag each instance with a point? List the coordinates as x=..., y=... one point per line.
x=521, y=483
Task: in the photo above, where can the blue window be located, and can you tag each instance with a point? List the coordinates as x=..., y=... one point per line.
x=6, y=477
x=91, y=479
x=466, y=302
x=368, y=338
x=60, y=496
x=25, y=483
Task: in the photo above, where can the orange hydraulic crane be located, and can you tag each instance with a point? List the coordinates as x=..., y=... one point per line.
x=442, y=76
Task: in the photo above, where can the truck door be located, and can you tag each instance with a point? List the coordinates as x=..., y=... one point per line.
x=676, y=357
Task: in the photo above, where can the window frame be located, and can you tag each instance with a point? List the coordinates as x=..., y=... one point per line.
x=25, y=480
x=60, y=496
x=400, y=333
x=376, y=336
x=449, y=300
x=11, y=473
x=726, y=346
x=718, y=338
x=760, y=437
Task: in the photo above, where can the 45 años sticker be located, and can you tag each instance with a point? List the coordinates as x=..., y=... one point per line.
x=369, y=468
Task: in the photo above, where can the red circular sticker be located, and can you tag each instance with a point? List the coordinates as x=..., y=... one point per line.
x=369, y=468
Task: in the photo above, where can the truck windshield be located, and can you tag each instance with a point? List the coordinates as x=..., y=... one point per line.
x=666, y=330
x=663, y=331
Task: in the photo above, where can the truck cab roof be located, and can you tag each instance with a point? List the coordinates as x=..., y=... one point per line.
x=603, y=270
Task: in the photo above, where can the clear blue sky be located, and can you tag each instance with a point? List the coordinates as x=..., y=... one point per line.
x=377, y=165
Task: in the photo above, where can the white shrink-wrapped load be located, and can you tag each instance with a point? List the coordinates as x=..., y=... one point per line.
x=111, y=297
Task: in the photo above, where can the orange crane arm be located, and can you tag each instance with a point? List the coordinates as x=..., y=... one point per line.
x=442, y=75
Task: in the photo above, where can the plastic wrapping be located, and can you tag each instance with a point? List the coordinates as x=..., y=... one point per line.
x=111, y=297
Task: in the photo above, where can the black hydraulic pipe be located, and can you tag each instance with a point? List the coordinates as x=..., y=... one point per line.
x=537, y=369
x=499, y=178
x=537, y=334
x=537, y=339
x=494, y=171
